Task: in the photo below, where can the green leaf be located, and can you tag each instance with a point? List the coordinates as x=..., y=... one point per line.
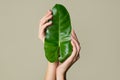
x=57, y=44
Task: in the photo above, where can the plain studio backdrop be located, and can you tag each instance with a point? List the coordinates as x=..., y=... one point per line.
x=97, y=25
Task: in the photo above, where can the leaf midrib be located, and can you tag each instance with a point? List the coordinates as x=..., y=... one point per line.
x=59, y=29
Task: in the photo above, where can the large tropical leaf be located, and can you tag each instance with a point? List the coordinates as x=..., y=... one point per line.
x=57, y=41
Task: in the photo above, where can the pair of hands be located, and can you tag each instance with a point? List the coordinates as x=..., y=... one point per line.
x=58, y=70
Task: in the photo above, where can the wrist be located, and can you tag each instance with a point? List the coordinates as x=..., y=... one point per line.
x=60, y=75
x=52, y=65
x=51, y=71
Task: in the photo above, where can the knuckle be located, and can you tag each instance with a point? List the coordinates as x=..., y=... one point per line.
x=50, y=16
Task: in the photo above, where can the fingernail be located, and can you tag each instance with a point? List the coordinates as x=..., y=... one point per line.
x=48, y=10
x=50, y=21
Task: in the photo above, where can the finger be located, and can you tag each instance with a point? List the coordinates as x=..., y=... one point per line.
x=49, y=12
x=45, y=20
x=77, y=58
x=69, y=61
x=75, y=37
x=42, y=30
x=45, y=26
x=73, y=34
x=74, y=50
x=76, y=43
x=46, y=15
x=77, y=46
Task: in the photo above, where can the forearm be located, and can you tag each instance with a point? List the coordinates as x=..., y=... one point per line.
x=51, y=71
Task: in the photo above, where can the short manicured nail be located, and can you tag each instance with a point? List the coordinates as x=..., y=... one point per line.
x=50, y=21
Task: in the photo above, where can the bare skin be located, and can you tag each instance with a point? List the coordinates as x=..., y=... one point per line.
x=57, y=70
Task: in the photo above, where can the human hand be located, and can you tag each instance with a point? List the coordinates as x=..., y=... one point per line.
x=44, y=24
x=55, y=69
x=63, y=67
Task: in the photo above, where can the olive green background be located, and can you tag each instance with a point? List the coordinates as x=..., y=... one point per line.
x=97, y=25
